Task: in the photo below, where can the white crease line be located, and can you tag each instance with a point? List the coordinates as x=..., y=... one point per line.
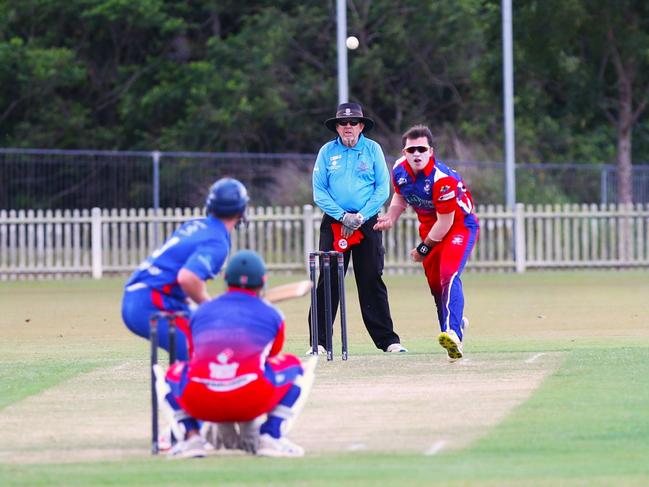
x=356, y=447
x=534, y=357
x=436, y=448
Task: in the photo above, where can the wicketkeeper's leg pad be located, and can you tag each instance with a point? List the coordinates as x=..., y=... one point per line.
x=281, y=418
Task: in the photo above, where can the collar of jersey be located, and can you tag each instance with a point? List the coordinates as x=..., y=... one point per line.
x=241, y=290
x=428, y=169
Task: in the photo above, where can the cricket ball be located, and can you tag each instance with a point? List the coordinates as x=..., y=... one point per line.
x=352, y=42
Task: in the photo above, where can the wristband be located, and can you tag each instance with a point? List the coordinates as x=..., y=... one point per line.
x=423, y=249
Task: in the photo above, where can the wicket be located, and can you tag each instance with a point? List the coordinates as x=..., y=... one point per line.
x=170, y=318
x=324, y=263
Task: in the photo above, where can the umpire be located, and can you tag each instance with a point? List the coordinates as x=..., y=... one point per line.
x=350, y=184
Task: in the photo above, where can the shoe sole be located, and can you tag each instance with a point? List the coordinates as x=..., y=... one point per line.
x=269, y=452
x=454, y=352
x=188, y=454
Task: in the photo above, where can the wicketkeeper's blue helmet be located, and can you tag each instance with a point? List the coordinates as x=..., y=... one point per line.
x=246, y=269
x=227, y=197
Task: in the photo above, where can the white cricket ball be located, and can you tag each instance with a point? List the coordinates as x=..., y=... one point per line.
x=352, y=42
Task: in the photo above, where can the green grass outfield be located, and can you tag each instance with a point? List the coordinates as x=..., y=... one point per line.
x=586, y=424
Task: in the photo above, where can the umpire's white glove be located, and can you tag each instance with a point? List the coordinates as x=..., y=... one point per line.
x=353, y=220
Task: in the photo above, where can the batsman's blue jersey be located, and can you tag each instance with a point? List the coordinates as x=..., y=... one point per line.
x=351, y=179
x=200, y=246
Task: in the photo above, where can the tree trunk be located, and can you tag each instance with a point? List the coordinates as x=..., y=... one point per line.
x=624, y=173
x=624, y=176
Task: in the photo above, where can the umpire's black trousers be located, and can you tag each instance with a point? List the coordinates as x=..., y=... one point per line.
x=368, y=258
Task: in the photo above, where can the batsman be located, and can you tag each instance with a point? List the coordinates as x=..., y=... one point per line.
x=174, y=276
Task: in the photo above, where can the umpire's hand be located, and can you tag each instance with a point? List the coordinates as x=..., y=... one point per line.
x=353, y=220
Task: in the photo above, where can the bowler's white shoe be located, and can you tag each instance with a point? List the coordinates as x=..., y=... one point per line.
x=321, y=351
x=278, y=447
x=194, y=447
x=452, y=343
x=396, y=348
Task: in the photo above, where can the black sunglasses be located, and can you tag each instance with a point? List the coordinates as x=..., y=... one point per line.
x=353, y=123
x=416, y=148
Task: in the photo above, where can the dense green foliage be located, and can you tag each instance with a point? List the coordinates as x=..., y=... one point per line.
x=262, y=76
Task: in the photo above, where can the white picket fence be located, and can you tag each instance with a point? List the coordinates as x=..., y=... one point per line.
x=36, y=244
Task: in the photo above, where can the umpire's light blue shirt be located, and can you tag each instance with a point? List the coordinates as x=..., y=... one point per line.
x=351, y=179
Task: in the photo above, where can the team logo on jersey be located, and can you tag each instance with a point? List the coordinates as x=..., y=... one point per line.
x=363, y=166
x=334, y=158
x=427, y=186
x=418, y=202
x=342, y=243
x=457, y=240
x=401, y=181
x=444, y=188
x=447, y=196
x=223, y=374
x=334, y=163
x=222, y=369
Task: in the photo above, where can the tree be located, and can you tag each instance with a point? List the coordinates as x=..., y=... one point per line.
x=581, y=54
x=624, y=73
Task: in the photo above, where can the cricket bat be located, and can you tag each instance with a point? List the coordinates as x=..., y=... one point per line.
x=288, y=291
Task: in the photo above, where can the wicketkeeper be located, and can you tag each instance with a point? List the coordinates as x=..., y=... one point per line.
x=236, y=372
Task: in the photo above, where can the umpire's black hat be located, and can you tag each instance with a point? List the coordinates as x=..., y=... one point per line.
x=347, y=111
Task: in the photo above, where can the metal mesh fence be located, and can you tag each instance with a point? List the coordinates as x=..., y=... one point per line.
x=57, y=179
x=33, y=179
x=271, y=179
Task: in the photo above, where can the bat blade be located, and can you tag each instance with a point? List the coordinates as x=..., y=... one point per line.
x=288, y=291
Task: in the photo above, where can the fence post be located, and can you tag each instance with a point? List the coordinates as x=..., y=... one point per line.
x=155, y=156
x=519, y=236
x=307, y=221
x=95, y=243
x=603, y=185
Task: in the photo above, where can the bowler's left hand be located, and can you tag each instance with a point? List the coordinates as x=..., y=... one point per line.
x=416, y=256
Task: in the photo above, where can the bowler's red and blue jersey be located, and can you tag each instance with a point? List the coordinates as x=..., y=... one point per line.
x=436, y=189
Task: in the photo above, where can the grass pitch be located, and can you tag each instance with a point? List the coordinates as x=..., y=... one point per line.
x=555, y=391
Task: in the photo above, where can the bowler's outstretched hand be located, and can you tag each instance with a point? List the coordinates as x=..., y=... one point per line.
x=384, y=222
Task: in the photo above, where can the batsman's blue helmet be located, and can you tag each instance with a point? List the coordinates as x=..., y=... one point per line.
x=227, y=197
x=246, y=269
